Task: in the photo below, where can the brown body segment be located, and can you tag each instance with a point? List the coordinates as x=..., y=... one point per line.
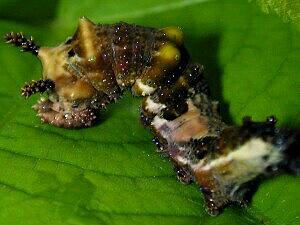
x=108, y=56
x=100, y=61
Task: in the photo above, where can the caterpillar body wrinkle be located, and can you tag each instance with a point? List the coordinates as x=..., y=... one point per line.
x=101, y=61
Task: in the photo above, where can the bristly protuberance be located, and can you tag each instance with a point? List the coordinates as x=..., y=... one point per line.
x=39, y=86
x=94, y=67
x=26, y=44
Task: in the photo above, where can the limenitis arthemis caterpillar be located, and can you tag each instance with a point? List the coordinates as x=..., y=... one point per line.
x=94, y=67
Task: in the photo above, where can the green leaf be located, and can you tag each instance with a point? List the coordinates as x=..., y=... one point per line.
x=16, y=10
x=110, y=173
x=288, y=10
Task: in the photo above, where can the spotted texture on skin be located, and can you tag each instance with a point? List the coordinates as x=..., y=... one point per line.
x=94, y=67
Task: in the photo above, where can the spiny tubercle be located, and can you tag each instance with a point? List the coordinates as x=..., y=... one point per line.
x=19, y=40
x=39, y=86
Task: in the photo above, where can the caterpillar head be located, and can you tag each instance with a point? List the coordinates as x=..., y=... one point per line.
x=68, y=78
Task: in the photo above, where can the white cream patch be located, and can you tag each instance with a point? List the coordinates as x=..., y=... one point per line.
x=146, y=90
x=158, y=122
x=154, y=107
x=245, y=163
x=183, y=160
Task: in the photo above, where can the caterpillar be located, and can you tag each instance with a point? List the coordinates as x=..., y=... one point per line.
x=95, y=66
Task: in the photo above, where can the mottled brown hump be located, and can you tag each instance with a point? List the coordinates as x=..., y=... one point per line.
x=92, y=44
x=132, y=48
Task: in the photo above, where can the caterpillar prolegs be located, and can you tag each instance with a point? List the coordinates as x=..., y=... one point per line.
x=101, y=61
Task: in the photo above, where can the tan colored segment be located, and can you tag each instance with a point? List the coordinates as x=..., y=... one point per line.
x=195, y=127
x=77, y=90
x=190, y=125
x=87, y=36
x=54, y=61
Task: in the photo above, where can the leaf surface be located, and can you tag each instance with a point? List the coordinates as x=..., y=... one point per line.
x=110, y=173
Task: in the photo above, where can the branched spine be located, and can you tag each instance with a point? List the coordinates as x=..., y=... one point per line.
x=19, y=40
x=37, y=86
